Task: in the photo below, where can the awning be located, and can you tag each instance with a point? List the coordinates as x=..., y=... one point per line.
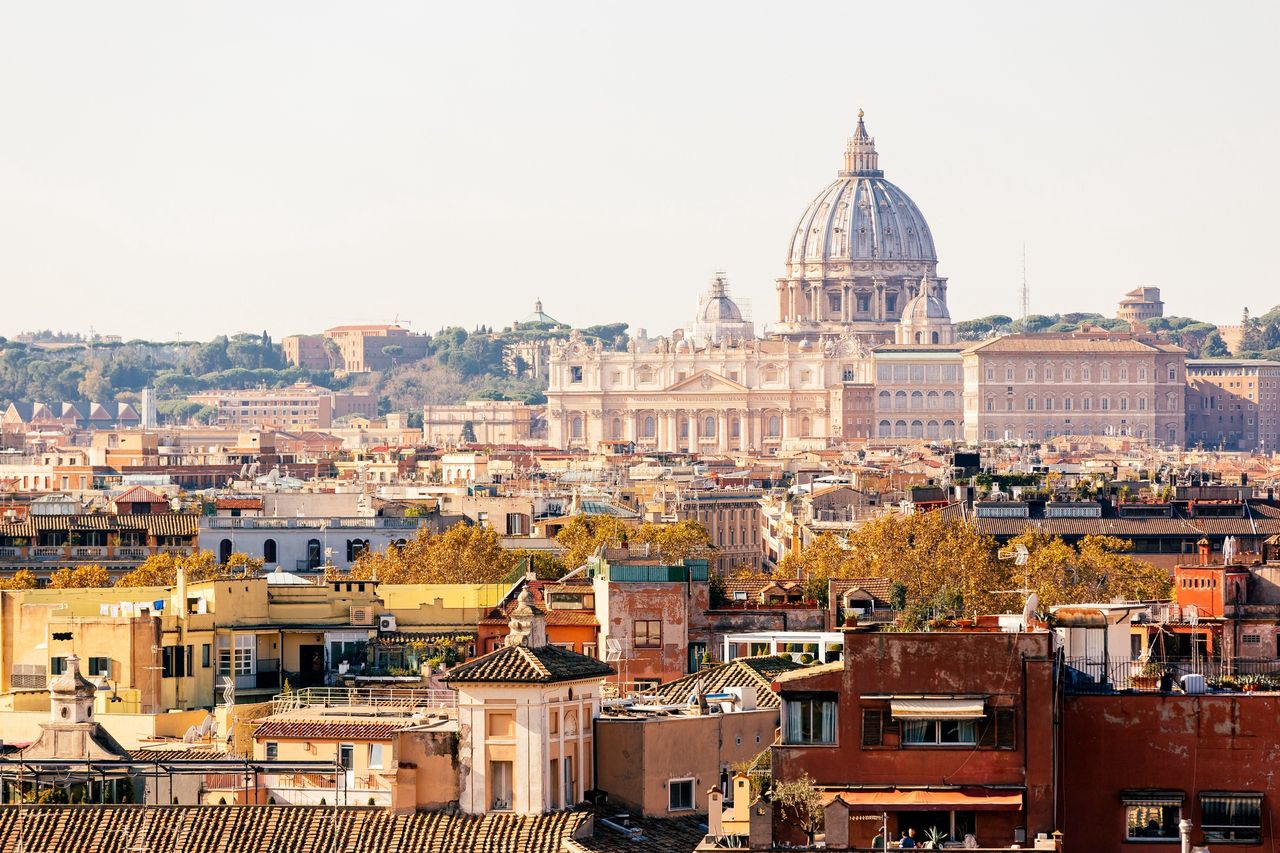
x=959, y=799
x=937, y=709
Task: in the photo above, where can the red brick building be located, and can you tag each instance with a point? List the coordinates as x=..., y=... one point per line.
x=952, y=730
x=1135, y=764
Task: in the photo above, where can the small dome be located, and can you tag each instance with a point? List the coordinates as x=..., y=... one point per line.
x=71, y=683
x=925, y=308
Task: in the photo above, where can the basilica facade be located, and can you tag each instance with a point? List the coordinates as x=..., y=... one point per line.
x=861, y=271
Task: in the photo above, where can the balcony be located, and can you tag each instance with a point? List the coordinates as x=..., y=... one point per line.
x=1234, y=675
x=342, y=523
x=87, y=553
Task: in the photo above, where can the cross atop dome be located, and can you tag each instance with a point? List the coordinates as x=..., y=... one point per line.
x=860, y=157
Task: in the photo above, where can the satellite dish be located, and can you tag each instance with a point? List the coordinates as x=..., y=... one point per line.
x=1029, y=610
x=191, y=735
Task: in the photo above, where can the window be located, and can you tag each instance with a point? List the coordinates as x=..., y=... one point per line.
x=680, y=795
x=269, y=551
x=940, y=732
x=575, y=374
x=1231, y=817
x=347, y=756
x=571, y=601
x=647, y=633
x=102, y=666
x=375, y=756
x=237, y=659
x=810, y=719
x=890, y=303
x=206, y=652
x=273, y=750
x=1152, y=815
x=57, y=666
x=864, y=302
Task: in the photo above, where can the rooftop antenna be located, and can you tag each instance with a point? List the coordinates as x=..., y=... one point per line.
x=1025, y=293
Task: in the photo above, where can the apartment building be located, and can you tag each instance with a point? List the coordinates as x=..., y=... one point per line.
x=297, y=407
x=479, y=422
x=1234, y=404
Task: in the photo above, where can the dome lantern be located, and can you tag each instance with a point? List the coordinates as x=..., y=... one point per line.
x=860, y=157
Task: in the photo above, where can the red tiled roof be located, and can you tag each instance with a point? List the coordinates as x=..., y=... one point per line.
x=327, y=730
x=525, y=665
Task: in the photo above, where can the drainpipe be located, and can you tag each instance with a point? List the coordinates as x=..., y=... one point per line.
x=1184, y=832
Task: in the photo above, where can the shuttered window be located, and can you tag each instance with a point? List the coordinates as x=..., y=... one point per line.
x=998, y=729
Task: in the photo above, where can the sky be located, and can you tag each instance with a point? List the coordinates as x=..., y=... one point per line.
x=172, y=169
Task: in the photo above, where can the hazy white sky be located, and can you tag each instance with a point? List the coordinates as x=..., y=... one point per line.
x=189, y=168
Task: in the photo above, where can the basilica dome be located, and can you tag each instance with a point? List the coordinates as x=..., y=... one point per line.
x=860, y=216
x=857, y=255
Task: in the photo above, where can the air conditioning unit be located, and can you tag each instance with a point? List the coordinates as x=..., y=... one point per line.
x=361, y=615
x=386, y=623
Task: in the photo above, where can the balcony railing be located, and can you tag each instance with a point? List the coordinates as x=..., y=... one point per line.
x=377, y=697
x=348, y=523
x=88, y=553
x=1087, y=675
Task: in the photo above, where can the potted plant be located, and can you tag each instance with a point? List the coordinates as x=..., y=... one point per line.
x=1251, y=683
x=1147, y=677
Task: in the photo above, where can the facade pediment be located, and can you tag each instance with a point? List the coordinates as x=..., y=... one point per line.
x=706, y=382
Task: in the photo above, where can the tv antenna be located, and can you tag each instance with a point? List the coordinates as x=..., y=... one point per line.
x=1024, y=295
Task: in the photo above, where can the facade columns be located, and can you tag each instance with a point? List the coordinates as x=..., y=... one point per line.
x=722, y=431
x=877, y=299
x=744, y=429
x=692, y=419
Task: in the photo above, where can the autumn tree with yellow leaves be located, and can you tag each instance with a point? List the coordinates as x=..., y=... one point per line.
x=948, y=565
x=81, y=577
x=582, y=535
x=162, y=569
x=681, y=540
x=461, y=554
x=21, y=579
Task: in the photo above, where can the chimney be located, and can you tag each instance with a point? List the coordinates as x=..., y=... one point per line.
x=1203, y=548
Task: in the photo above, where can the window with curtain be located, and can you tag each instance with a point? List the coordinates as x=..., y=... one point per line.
x=1231, y=817
x=1152, y=815
x=939, y=732
x=810, y=719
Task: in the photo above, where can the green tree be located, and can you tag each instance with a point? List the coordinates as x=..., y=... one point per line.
x=468, y=433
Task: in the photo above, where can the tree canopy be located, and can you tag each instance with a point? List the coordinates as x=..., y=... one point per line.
x=945, y=566
x=462, y=554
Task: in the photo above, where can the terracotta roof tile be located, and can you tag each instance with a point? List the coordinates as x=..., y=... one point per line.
x=306, y=829
x=525, y=665
x=757, y=672
x=327, y=730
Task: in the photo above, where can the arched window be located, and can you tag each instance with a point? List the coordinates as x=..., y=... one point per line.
x=936, y=339
x=917, y=400
x=735, y=428
x=900, y=429
x=919, y=337
x=886, y=429
x=709, y=426
x=931, y=400
x=775, y=426
x=650, y=426
x=900, y=400
x=684, y=428
x=931, y=430
x=948, y=429
x=269, y=551
x=917, y=429
x=885, y=401
x=314, y=554
x=224, y=551
x=804, y=426
x=617, y=427
x=575, y=427
x=991, y=433
x=948, y=400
